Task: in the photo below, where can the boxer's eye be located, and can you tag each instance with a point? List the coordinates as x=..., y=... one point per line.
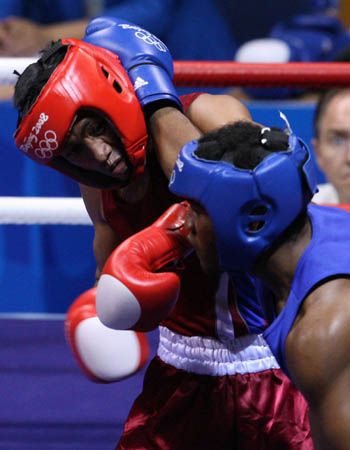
x=94, y=128
x=72, y=151
x=258, y=224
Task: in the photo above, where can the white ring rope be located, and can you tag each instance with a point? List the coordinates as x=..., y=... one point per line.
x=8, y=65
x=43, y=211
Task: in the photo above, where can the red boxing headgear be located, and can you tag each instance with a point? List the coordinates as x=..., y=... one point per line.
x=91, y=78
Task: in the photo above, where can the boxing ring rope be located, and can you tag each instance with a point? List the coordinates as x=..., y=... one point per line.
x=9, y=65
x=226, y=73
x=52, y=211
x=43, y=211
x=229, y=73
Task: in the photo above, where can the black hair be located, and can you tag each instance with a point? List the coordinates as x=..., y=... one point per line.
x=36, y=75
x=322, y=105
x=243, y=144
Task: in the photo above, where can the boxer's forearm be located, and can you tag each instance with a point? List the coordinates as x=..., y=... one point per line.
x=170, y=130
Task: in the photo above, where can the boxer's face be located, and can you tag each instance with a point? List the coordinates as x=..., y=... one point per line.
x=202, y=238
x=333, y=144
x=93, y=144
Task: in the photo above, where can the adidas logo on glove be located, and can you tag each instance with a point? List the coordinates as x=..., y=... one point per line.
x=139, y=82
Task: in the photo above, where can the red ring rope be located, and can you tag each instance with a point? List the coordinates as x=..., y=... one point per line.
x=228, y=73
x=345, y=206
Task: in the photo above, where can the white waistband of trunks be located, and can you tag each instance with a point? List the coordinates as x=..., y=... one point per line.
x=207, y=356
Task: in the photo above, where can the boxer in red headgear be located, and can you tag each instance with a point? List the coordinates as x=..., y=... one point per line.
x=214, y=382
x=89, y=79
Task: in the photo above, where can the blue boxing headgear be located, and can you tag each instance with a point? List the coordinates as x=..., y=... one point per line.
x=274, y=193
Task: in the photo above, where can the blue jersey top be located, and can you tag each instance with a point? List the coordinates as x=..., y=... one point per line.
x=248, y=305
x=327, y=255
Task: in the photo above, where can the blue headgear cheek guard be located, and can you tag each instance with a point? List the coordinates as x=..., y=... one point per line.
x=273, y=194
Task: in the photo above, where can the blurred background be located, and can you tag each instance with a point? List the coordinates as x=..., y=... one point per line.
x=47, y=403
x=43, y=268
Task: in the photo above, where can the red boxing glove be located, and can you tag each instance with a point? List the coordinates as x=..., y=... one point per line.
x=132, y=293
x=103, y=354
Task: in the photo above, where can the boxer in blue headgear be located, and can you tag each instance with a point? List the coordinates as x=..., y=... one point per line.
x=250, y=190
x=261, y=194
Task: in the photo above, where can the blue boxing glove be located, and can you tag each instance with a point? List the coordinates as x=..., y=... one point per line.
x=146, y=59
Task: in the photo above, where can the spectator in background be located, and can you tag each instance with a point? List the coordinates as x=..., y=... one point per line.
x=318, y=35
x=332, y=145
x=195, y=30
x=200, y=29
x=255, y=19
x=191, y=30
x=26, y=27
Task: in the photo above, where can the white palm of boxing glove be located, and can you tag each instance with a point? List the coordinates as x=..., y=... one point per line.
x=103, y=354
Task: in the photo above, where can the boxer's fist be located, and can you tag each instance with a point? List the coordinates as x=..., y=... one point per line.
x=146, y=59
x=103, y=354
x=137, y=288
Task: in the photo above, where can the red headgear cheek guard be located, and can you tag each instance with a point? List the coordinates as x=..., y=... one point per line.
x=89, y=77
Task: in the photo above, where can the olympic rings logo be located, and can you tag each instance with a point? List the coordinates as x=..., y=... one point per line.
x=146, y=36
x=47, y=145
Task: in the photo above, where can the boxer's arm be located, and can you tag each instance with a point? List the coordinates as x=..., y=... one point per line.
x=317, y=351
x=209, y=112
x=105, y=239
x=171, y=130
x=150, y=68
x=104, y=355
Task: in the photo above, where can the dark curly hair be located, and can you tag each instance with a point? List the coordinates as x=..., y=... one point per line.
x=36, y=75
x=243, y=144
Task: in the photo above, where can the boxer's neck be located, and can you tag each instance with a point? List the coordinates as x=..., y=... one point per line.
x=136, y=190
x=278, y=270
